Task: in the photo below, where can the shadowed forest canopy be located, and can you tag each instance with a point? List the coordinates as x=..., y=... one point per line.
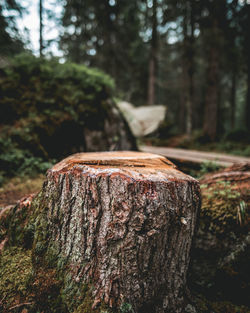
x=192, y=56
x=10, y=39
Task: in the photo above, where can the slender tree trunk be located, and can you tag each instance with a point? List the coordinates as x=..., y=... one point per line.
x=41, y=27
x=153, y=57
x=182, y=109
x=233, y=96
x=248, y=70
x=121, y=223
x=248, y=99
x=188, y=64
x=235, y=65
x=211, y=100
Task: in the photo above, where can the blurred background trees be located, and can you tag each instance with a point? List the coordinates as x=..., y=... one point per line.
x=10, y=40
x=192, y=56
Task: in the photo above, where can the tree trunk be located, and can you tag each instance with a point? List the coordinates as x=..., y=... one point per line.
x=248, y=70
x=122, y=224
x=41, y=27
x=211, y=100
x=188, y=65
x=153, y=57
x=248, y=99
x=233, y=96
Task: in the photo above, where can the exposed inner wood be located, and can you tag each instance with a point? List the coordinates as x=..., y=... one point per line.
x=119, y=159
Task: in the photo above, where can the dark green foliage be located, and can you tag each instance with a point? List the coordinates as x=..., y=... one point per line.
x=44, y=108
x=126, y=308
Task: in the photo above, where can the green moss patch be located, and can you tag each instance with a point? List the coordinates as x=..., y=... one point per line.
x=223, y=208
x=87, y=304
x=15, y=272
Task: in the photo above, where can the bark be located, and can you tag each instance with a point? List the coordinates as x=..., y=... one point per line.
x=123, y=223
x=153, y=58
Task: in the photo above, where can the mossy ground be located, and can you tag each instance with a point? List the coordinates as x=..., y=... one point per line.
x=15, y=273
x=204, y=305
x=221, y=257
x=224, y=208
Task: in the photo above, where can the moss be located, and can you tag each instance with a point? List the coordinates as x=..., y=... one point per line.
x=21, y=282
x=222, y=307
x=220, y=258
x=5, y=213
x=223, y=209
x=15, y=272
x=46, y=291
x=204, y=305
x=87, y=304
x=21, y=223
x=20, y=231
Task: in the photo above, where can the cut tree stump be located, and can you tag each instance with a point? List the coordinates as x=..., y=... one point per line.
x=121, y=225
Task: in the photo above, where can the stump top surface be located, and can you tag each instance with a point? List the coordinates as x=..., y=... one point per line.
x=119, y=159
x=136, y=165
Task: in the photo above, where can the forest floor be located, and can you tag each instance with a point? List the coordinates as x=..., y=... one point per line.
x=19, y=187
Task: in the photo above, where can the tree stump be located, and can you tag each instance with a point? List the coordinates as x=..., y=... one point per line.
x=122, y=224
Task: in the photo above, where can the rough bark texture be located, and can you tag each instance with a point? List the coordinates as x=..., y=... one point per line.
x=121, y=222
